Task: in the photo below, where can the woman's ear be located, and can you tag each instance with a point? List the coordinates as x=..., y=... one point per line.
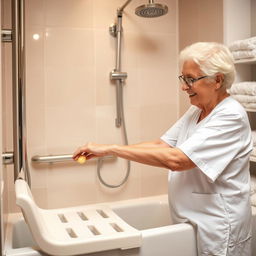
x=219, y=79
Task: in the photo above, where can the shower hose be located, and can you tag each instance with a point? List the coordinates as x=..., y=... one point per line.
x=120, y=105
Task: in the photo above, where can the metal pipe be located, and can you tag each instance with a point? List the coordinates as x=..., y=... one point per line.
x=118, y=43
x=19, y=93
x=58, y=158
x=16, y=87
x=123, y=6
x=119, y=91
x=119, y=83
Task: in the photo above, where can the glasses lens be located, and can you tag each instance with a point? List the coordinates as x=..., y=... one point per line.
x=186, y=80
x=181, y=78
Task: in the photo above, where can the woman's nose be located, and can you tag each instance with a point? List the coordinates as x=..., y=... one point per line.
x=184, y=87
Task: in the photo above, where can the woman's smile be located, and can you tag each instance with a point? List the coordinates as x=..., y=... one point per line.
x=192, y=94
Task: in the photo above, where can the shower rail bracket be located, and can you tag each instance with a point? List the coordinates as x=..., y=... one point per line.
x=117, y=75
x=6, y=35
x=7, y=158
x=113, y=30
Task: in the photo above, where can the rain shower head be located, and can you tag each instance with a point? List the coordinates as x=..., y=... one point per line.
x=151, y=10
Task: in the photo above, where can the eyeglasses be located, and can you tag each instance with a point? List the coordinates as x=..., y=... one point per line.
x=189, y=80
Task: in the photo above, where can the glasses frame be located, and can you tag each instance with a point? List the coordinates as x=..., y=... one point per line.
x=189, y=81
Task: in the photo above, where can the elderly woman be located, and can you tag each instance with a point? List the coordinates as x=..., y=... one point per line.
x=207, y=152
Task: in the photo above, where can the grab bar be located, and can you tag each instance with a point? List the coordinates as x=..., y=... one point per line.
x=59, y=158
x=19, y=90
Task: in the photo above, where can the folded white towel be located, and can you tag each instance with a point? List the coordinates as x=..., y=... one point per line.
x=253, y=200
x=245, y=44
x=237, y=55
x=248, y=88
x=249, y=105
x=244, y=98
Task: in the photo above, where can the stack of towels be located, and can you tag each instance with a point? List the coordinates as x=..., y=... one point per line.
x=244, y=49
x=245, y=93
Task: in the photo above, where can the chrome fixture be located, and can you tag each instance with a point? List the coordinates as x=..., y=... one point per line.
x=7, y=158
x=6, y=35
x=117, y=75
x=19, y=91
x=149, y=10
x=59, y=158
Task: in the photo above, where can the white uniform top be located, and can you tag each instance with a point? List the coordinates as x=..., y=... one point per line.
x=215, y=195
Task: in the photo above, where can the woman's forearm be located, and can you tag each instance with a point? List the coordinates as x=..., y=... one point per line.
x=151, y=144
x=165, y=157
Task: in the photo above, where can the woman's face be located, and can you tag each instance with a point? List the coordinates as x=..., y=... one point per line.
x=202, y=92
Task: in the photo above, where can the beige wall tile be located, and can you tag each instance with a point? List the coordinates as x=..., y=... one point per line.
x=35, y=12
x=69, y=13
x=154, y=181
x=156, y=119
x=73, y=195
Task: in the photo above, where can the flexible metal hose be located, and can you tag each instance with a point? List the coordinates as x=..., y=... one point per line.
x=124, y=132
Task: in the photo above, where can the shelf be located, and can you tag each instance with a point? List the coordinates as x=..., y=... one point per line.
x=246, y=61
x=253, y=158
x=250, y=110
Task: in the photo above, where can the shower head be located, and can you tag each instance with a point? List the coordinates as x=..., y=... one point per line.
x=151, y=10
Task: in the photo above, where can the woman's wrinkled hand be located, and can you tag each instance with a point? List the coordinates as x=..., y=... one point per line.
x=92, y=150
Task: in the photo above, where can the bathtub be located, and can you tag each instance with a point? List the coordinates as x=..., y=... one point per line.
x=150, y=215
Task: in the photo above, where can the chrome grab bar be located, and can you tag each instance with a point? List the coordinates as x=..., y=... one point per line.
x=59, y=158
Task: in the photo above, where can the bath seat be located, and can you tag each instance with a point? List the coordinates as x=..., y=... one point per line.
x=76, y=230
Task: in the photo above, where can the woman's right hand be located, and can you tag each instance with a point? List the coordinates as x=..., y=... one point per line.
x=92, y=150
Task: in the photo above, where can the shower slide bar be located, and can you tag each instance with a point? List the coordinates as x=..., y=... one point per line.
x=59, y=158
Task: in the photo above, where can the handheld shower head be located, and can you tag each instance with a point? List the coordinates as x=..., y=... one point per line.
x=151, y=10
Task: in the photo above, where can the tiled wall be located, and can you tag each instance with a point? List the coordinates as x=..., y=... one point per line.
x=199, y=20
x=70, y=99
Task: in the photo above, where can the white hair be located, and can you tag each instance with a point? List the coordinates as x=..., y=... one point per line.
x=212, y=58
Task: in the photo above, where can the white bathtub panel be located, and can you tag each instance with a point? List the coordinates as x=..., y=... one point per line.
x=174, y=240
